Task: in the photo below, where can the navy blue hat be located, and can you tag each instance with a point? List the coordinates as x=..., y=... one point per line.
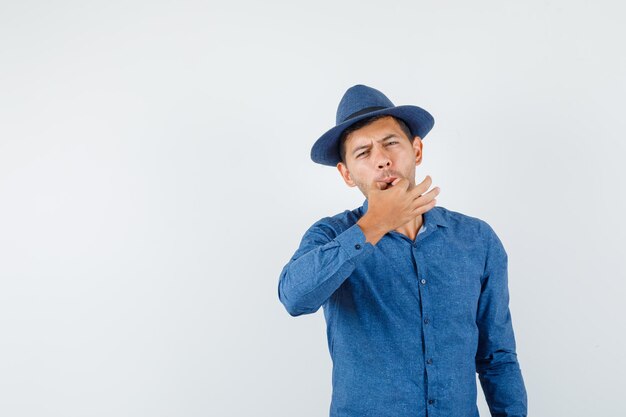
x=360, y=102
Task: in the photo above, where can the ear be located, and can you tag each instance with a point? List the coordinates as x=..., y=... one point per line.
x=417, y=149
x=345, y=174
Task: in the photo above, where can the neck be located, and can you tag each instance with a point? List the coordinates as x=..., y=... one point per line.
x=411, y=228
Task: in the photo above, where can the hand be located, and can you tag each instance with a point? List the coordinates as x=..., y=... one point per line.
x=390, y=208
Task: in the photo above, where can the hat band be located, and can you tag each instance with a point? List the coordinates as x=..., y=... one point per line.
x=363, y=111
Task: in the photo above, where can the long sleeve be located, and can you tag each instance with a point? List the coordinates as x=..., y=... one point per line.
x=320, y=265
x=496, y=360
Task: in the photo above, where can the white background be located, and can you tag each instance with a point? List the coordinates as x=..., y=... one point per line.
x=155, y=177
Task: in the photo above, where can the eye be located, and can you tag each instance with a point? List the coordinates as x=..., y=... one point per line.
x=388, y=143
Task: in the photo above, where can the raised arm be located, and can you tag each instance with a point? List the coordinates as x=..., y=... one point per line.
x=320, y=265
x=496, y=360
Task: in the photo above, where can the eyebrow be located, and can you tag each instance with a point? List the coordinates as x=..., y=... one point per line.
x=358, y=148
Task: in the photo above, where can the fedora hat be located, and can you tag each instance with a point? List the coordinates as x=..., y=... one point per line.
x=360, y=102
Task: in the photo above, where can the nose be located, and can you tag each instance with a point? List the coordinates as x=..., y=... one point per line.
x=382, y=159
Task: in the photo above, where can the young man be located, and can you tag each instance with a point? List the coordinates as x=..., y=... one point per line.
x=415, y=296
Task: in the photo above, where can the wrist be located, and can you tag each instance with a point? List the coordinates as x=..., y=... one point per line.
x=371, y=228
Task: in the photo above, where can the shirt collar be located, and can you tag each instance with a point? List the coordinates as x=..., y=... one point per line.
x=433, y=215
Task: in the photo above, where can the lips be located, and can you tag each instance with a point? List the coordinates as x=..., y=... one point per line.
x=387, y=181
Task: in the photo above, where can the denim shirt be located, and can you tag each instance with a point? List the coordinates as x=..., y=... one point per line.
x=409, y=322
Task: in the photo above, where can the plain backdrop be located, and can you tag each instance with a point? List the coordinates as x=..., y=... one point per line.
x=155, y=177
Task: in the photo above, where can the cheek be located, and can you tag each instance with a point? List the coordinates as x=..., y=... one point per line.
x=360, y=179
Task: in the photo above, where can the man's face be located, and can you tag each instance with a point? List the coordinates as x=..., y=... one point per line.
x=380, y=152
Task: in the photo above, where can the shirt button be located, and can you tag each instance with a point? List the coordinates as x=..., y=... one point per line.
x=357, y=246
x=423, y=281
x=431, y=401
x=426, y=321
x=429, y=361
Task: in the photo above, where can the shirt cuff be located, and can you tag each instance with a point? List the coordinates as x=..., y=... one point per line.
x=352, y=242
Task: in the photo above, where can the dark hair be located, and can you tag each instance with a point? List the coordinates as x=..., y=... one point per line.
x=365, y=122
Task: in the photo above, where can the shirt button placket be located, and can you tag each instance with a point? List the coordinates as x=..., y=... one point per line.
x=427, y=349
x=421, y=271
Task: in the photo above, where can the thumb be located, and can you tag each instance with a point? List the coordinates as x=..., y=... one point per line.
x=375, y=185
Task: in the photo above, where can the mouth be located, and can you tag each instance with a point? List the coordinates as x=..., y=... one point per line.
x=387, y=182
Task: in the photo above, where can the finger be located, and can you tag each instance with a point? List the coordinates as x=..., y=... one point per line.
x=432, y=193
x=421, y=188
x=427, y=181
x=375, y=185
x=402, y=182
x=395, y=182
x=429, y=195
x=423, y=209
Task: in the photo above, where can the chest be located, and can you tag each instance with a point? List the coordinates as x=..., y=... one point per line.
x=400, y=275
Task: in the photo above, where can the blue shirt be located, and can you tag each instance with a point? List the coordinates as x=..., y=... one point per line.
x=410, y=322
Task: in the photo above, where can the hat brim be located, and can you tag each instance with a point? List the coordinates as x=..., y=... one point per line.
x=325, y=150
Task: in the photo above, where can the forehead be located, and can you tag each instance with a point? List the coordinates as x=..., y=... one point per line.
x=373, y=131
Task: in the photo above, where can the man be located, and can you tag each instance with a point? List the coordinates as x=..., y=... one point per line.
x=415, y=296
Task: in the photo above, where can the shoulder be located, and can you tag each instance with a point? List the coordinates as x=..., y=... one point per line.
x=458, y=220
x=333, y=225
x=475, y=231
x=459, y=223
x=467, y=226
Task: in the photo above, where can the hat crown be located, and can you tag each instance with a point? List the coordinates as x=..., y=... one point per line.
x=360, y=99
